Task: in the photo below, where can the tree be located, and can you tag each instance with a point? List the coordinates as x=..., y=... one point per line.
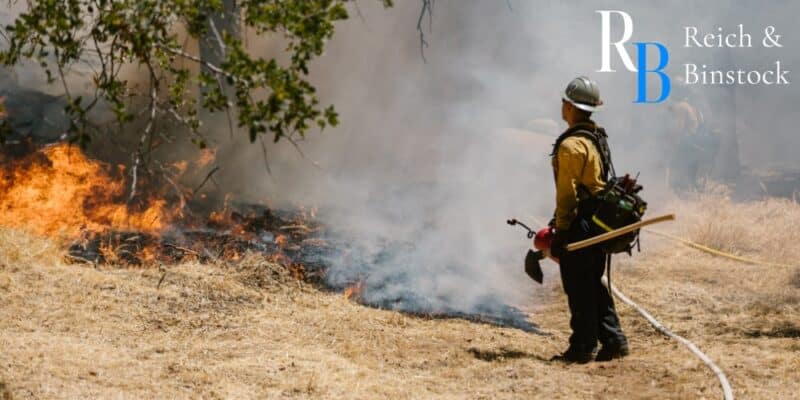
x=268, y=97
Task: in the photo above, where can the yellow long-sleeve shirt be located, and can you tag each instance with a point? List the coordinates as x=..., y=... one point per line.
x=576, y=162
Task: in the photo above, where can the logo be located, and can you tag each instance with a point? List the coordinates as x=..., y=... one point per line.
x=641, y=67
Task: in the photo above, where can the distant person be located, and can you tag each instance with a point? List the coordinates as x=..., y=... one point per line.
x=691, y=146
x=581, y=165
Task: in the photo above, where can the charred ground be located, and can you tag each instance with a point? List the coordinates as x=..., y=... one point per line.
x=249, y=328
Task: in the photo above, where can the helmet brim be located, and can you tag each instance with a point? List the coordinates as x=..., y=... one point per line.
x=581, y=106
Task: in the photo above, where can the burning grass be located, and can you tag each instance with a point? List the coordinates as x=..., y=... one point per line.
x=248, y=328
x=103, y=227
x=224, y=307
x=228, y=237
x=57, y=190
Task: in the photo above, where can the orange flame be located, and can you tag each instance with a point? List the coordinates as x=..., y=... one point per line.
x=58, y=190
x=207, y=156
x=180, y=166
x=355, y=290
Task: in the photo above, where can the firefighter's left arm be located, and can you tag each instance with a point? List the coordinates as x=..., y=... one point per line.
x=571, y=160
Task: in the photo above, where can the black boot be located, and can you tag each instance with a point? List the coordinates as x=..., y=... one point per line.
x=610, y=352
x=573, y=355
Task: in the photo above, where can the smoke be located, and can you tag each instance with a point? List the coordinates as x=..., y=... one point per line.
x=433, y=154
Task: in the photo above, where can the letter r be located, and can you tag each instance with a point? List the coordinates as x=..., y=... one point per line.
x=605, y=40
x=663, y=54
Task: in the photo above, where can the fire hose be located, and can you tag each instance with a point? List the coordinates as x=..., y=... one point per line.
x=727, y=391
x=716, y=252
x=539, y=243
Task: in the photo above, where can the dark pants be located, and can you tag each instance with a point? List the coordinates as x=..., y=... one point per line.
x=593, y=315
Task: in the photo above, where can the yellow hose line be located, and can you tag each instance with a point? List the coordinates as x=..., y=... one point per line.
x=714, y=251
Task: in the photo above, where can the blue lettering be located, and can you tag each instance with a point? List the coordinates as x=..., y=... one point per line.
x=663, y=54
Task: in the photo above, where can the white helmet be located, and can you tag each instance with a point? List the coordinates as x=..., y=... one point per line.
x=583, y=93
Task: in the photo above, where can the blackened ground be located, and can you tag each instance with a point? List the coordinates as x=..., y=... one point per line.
x=253, y=228
x=306, y=249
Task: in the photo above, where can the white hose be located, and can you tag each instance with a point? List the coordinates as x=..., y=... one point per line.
x=727, y=392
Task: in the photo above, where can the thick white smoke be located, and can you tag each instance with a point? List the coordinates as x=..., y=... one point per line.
x=433, y=155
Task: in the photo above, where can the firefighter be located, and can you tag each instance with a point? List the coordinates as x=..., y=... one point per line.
x=580, y=170
x=690, y=145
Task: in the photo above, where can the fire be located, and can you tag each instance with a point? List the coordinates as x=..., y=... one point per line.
x=280, y=258
x=58, y=190
x=180, y=166
x=355, y=290
x=207, y=156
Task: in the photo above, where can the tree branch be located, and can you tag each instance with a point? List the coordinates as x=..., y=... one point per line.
x=196, y=59
x=264, y=152
x=210, y=174
x=427, y=7
x=147, y=131
x=303, y=155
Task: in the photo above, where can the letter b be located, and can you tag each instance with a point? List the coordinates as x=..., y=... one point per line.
x=663, y=55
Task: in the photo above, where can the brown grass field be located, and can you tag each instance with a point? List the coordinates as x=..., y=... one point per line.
x=251, y=331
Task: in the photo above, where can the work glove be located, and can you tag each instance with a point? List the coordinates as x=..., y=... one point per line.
x=558, y=248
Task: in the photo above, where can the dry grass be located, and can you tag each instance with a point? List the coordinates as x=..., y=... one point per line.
x=767, y=229
x=747, y=317
x=251, y=331
x=5, y=394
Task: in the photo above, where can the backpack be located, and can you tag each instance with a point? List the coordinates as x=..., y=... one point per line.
x=617, y=205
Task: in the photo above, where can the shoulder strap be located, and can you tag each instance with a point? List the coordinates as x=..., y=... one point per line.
x=599, y=139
